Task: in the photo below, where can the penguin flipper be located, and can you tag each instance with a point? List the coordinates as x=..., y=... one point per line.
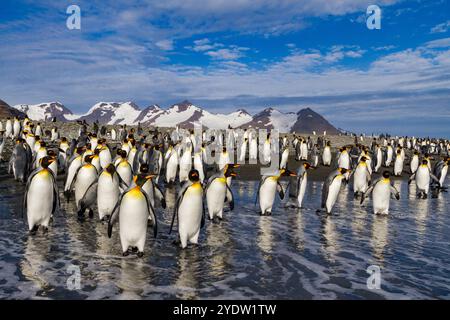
x=159, y=195
x=280, y=190
x=230, y=196
x=151, y=212
x=177, y=204
x=114, y=215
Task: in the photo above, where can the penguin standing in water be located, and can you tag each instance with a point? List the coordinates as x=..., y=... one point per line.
x=268, y=186
x=301, y=182
x=41, y=196
x=398, y=163
x=440, y=171
x=133, y=210
x=85, y=176
x=218, y=191
x=326, y=155
x=361, y=177
x=423, y=177
x=20, y=161
x=189, y=210
x=331, y=188
x=381, y=190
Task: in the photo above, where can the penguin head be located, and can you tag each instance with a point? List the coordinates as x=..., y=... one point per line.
x=46, y=161
x=287, y=173
x=97, y=151
x=307, y=165
x=228, y=170
x=141, y=179
x=88, y=146
x=88, y=158
x=343, y=170
x=363, y=159
x=144, y=168
x=63, y=139
x=122, y=153
x=51, y=153
x=425, y=162
x=386, y=174
x=110, y=169
x=194, y=175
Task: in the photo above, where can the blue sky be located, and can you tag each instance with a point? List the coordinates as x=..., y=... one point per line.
x=223, y=55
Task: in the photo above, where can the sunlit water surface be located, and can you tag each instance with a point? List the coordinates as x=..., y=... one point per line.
x=293, y=254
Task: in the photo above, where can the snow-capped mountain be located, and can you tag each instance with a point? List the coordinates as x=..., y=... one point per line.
x=271, y=118
x=112, y=113
x=45, y=111
x=183, y=114
x=6, y=111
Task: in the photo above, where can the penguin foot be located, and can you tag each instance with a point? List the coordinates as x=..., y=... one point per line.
x=91, y=213
x=44, y=230
x=33, y=230
x=176, y=242
x=134, y=249
x=126, y=253
x=140, y=254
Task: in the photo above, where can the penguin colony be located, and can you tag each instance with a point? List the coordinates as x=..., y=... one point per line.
x=122, y=179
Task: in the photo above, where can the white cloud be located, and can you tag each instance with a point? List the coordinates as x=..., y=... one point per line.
x=166, y=45
x=440, y=28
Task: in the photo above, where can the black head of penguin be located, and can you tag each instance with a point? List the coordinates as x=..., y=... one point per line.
x=156, y=147
x=343, y=170
x=80, y=150
x=110, y=169
x=386, y=174
x=229, y=172
x=363, y=159
x=88, y=158
x=46, y=161
x=97, y=151
x=194, y=175
x=307, y=165
x=123, y=154
x=425, y=162
x=286, y=172
x=144, y=168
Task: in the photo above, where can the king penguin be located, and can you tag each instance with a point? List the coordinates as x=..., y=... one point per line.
x=331, y=188
x=189, y=210
x=41, y=196
x=133, y=210
x=423, y=177
x=269, y=185
x=381, y=190
x=361, y=177
x=85, y=176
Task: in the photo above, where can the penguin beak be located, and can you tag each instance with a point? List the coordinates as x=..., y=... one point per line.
x=236, y=165
x=150, y=176
x=51, y=160
x=233, y=174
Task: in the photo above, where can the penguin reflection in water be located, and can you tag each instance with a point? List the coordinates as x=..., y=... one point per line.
x=381, y=190
x=268, y=186
x=133, y=210
x=41, y=196
x=331, y=188
x=218, y=192
x=189, y=210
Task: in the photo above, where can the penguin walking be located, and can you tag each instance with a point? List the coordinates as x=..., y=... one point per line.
x=218, y=191
x=331, y=188
x=326, y=155
x=269, y=185
x=132, y=210
x=123, y=168
x=41, y=196
x=423, y=178
x=20, y=161
x=381, y=191
x=440, y=171
x=361, y=177
x=189, y=210
x=171, y=164
x=85, y=176
x=301, y=182
x=398, y=163
x=284, y=158
x=414, y=164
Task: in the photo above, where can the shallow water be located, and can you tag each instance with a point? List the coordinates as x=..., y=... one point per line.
x=293, y=254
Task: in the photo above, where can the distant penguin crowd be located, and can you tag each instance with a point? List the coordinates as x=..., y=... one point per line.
x=118, y=174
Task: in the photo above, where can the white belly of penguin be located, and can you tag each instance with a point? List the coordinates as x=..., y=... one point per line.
x=124, y=171
x=40, y=200
x=107, y=194
x=398, y=166
x=105, y=158
x=360, y=179
x=326, y=157
x=171, y=171
x=215, y=197
x=301, y=192
x=85, y=177
x=267, y=194
x=133, y=221
x=76, y=163
x=423, y=178
x=333, y=193
x=190, y=213
x=443, y=175
x=380, y=197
